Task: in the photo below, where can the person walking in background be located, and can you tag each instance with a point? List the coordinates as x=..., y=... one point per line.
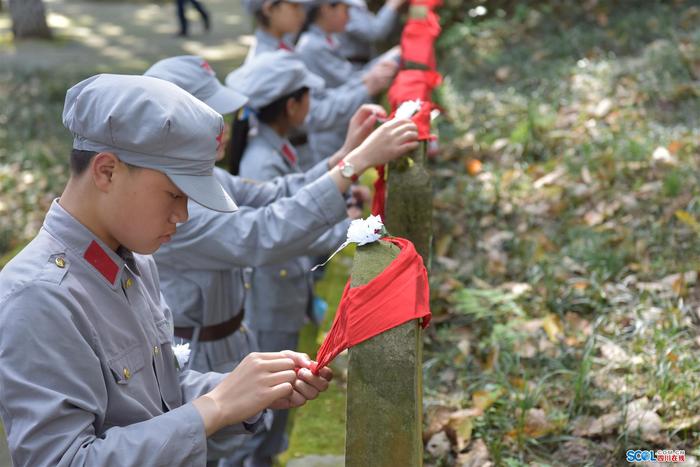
x=182, y=16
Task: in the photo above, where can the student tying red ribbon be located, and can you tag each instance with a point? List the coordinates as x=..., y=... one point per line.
x=398, y=295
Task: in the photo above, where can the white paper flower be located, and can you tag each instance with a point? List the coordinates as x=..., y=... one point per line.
x=362, y=232
x=408, y=108
x=182, y=354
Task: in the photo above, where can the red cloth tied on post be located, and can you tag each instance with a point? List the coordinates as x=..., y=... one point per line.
x=417, y=40
x=397, y=295
x=411, y=85
x=417, y=48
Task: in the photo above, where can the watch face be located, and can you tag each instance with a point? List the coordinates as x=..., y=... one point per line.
x=347, y=170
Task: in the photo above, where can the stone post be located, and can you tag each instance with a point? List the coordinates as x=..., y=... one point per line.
x=384, y=405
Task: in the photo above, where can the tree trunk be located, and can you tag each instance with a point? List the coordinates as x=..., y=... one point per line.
x=29, y=19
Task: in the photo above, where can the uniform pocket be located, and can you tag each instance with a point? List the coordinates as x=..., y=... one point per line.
x=125, y=366
x=165, y=331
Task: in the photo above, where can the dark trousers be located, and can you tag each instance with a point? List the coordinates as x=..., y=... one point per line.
x=183, y=18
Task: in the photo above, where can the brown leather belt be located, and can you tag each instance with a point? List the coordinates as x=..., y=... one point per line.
x=359, y=60
x=213, y=332
x=299, y=140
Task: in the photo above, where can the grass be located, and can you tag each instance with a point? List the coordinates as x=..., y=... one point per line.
x=555, y=288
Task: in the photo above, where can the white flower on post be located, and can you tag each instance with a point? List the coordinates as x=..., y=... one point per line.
x=408, y=109
x=362, y=232
x=182, y=354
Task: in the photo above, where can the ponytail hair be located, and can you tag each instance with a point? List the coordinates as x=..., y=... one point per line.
x=311, y=15
x=238, y=140
x=272, y=112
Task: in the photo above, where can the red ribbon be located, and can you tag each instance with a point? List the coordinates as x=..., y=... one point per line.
x=398, y=295
x=417, y=46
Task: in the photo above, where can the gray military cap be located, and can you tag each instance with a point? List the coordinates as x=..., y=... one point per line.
x=195, y=75
x=148, y=122
x=253, y=6
x=270, y=76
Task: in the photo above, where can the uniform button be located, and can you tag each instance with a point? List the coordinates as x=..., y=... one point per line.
x=60, y=262
x=156, y=350
x=127, y=373
x=128, y=283
x=283, y=273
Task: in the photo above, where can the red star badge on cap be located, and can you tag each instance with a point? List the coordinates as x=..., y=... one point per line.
x=207, y=67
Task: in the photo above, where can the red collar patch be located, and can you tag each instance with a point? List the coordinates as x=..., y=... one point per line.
x=283, y=46
x=101, y=261
x=288, y=153
x=219, y=140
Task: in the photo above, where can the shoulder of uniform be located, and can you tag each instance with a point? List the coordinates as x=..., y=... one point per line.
x=55, y=269
x=27, y=281
x=39, y=261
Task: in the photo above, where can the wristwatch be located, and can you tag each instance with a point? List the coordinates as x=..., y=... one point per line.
x=347, y=170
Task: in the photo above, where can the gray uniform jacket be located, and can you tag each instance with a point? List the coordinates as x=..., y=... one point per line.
x=87, y=371
x=330, y=109
x=281, y=293
x=203, y=268
x=364, y=29
x=320, y=54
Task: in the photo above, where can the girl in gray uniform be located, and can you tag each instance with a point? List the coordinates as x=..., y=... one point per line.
x=282, y=293
x=319, y=46
x=323, y=132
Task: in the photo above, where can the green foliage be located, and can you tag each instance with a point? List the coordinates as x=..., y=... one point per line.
x=34, y=150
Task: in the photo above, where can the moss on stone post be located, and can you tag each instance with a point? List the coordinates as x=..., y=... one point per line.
x=409, y=203
x=384, y=408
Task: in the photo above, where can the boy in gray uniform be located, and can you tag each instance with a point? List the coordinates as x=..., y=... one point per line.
x=87, y=369
x=277, y=21
x=202, y=268
x=364, y=29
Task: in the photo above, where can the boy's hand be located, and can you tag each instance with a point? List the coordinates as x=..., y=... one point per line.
x=307, y=386
x=258, y=381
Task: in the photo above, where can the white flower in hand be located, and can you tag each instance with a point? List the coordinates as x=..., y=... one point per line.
x=362, y=232
x=182, y=354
